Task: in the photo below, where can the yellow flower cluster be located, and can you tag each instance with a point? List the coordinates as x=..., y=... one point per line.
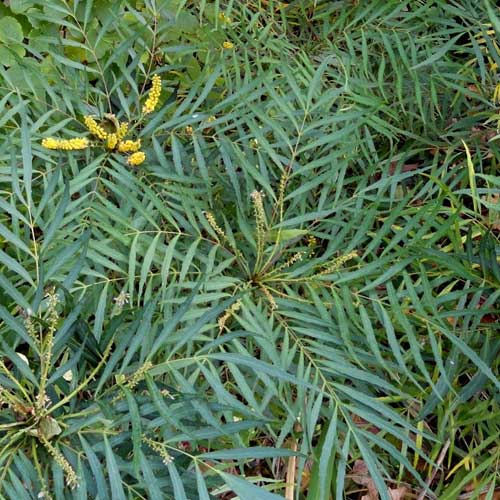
x=112, y=141
x=338, y=262
x=122, y=130
x=129, y=146
x=94, y=128
x=66, y=144
x=153, y=96
x=228, y=45
x=136, y=158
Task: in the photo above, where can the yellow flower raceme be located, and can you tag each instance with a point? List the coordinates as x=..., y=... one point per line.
x=153, y=96
x=129, y=146
x=66, y=144
x=122, y=130
x=228, y=45
x=136, y=158
x=76, y=143
x=94, y=128
x=112, y=141
x=51, y=143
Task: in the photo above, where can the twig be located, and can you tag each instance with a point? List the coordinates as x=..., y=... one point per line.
x=438, y=465
x=290, y=474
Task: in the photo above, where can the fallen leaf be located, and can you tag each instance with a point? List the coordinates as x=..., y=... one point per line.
x=360, y=475
x=496, y=495
x=398, y=493
x=361, y=422
x=407, y=167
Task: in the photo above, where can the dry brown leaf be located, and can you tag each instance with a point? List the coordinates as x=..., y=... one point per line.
x=361, y=422
x=407, y=167
x=360, y=475
x=496, y=495
x=398, y=493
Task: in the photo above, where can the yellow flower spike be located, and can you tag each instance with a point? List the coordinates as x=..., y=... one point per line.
x=122, y=130
x=94, y=128
x=136, y=158
x=153, y=95
x=66, y=144
x=50, y=143
x=129, y=146
x=77, y=143
x=112, y=141
x=228, y=45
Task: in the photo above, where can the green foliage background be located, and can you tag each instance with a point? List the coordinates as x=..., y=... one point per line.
x=360, y=307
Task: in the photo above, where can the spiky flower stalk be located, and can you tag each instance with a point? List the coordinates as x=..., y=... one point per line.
x=46, y=345
x=269, y=297
x=160, y=449
x=6, y=398
x=30, y=326
x=139, y=374
x=337, y=263
x=260, y=220
x=296, y=257
x=213, y=224
x=133, y=380
x=70, y=475
x=230, y=311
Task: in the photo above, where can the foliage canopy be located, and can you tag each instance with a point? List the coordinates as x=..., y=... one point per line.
x=295, y=295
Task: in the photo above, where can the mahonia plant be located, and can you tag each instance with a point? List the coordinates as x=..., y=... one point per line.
x=37, y=411
x=274, y=258
x=112, y=140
